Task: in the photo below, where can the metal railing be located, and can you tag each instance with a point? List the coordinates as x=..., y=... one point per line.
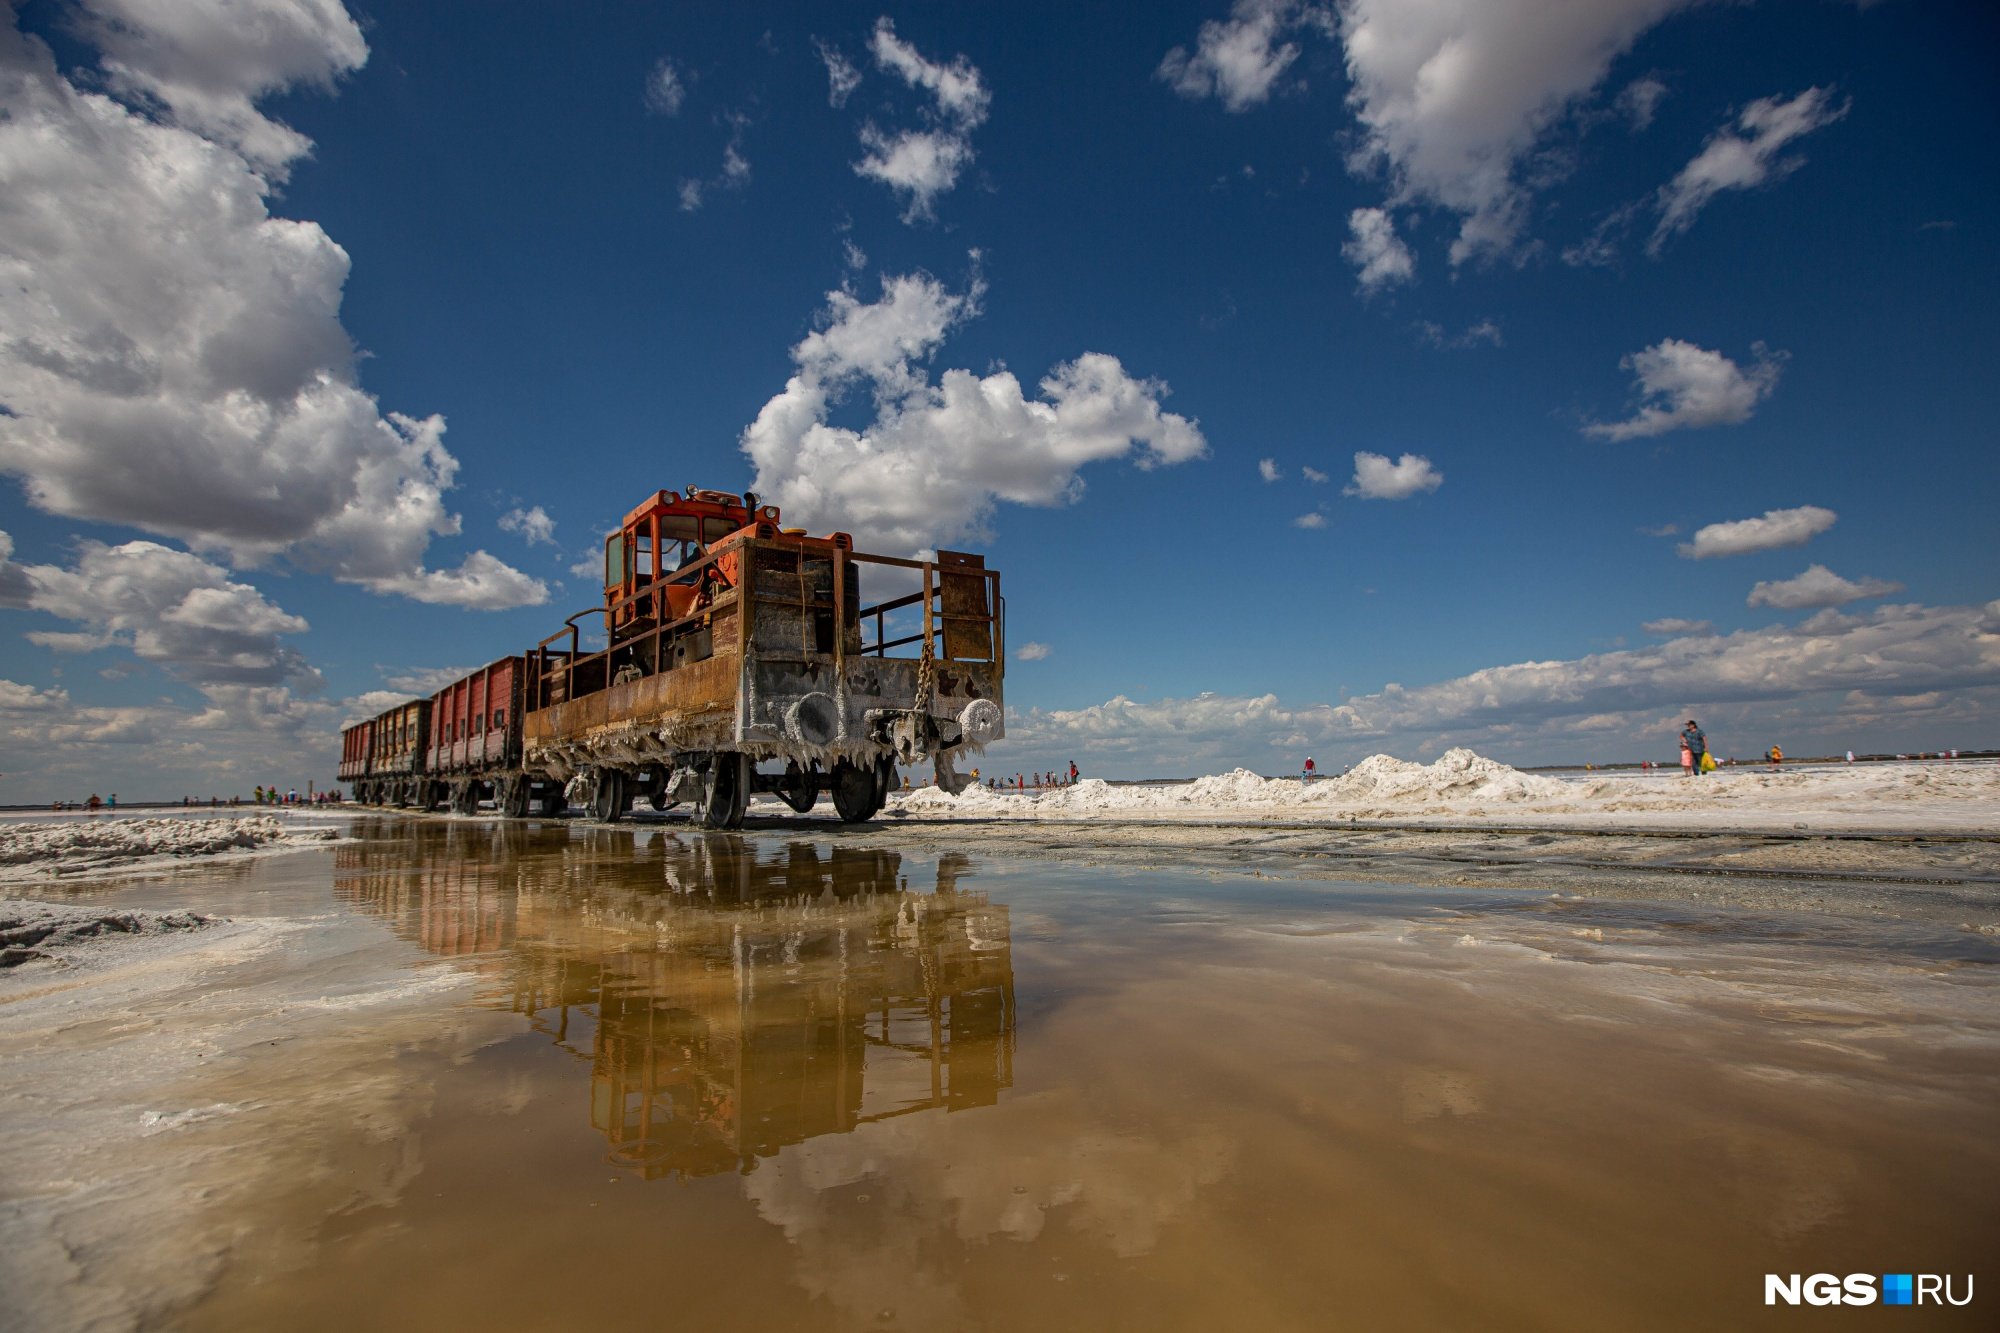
x=558, y=668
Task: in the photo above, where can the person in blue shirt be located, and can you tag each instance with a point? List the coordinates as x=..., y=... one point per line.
x=1697, y=742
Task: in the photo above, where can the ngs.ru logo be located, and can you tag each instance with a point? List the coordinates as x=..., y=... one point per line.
x=1860, y=1289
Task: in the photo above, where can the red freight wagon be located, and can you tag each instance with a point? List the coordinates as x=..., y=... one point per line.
x=476, y=721
x=384, y=756
x=475, y=747
x=357, y=747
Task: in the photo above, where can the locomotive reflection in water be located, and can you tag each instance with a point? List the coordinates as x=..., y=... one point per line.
x=732, y=997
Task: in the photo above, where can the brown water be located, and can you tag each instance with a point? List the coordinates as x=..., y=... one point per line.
x=655, y=1077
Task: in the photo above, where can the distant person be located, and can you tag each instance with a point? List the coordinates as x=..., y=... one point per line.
x=1777, y=755
x=94, y=804
x=1850, y=756
x=114, y=800
x=1696, y=742
x=1306, y=773
x=1687, y=759
x=1074, y=772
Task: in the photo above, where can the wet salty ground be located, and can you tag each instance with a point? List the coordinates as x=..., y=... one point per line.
x=454, y=1073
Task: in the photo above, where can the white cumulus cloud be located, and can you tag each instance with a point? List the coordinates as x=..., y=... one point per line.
x=1310, y=521
x=1682, y=385
x=841, y=76
x=1454, y=96
x=424, y=681
x=1674, y=626
x=1376, y=478
x=534, y=525
x=206, y=63
x=1776, y=529
x=172, y=352
x=1033, y=652
x=666, y=88
x=1314, y=475
x=939, y=454
x=170, y=608
x=922, y=164
x=1267, y=468
x=1640, y=101
x=1237, y=59
x=1744, y=157
x=1377, y=253
x=1818, y=586
x=734, y=172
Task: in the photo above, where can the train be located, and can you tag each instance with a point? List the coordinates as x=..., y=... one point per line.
x=737, y=656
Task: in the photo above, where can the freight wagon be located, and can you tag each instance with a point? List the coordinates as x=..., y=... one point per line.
x=475, y=750
x=737, y=657
x=383, y=758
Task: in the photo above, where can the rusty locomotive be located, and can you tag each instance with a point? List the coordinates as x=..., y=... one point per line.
x=738, y=657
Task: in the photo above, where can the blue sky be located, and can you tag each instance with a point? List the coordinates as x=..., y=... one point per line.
x=340, y=337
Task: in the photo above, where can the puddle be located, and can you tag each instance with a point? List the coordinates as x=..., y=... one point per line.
x=656, y=1075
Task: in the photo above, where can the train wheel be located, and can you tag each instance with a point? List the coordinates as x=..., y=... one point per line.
x=464, y=798
x=854, y=791
x=510, y=797
x=725, y=791
x=656, y=789
x=554, y=801
x=608, y=798
x=801, y=786
x=885, y=782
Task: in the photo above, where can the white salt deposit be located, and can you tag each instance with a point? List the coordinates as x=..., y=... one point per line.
x=31, y=931
x=1462, y=787
x=35, y=848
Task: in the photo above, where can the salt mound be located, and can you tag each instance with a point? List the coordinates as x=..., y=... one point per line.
x=925, y=798
x=71, y=844
x=1088, y=796
x=1458, y=774
x=936, y=800
x=1242, y=787
x=1379, y=784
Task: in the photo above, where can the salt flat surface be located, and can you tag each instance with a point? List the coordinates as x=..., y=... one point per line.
x=1464, y=787
x=31, y=849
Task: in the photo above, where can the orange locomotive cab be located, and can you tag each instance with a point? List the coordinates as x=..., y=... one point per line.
x=655, y=571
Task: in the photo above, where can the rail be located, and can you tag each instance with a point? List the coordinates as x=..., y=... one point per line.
x=559, y=669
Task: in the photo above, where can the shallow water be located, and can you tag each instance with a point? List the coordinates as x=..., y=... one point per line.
x=551, y=1076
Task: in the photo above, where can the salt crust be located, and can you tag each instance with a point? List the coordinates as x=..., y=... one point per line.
x=31, y=931
x=1464, y=786
x=32, y=848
